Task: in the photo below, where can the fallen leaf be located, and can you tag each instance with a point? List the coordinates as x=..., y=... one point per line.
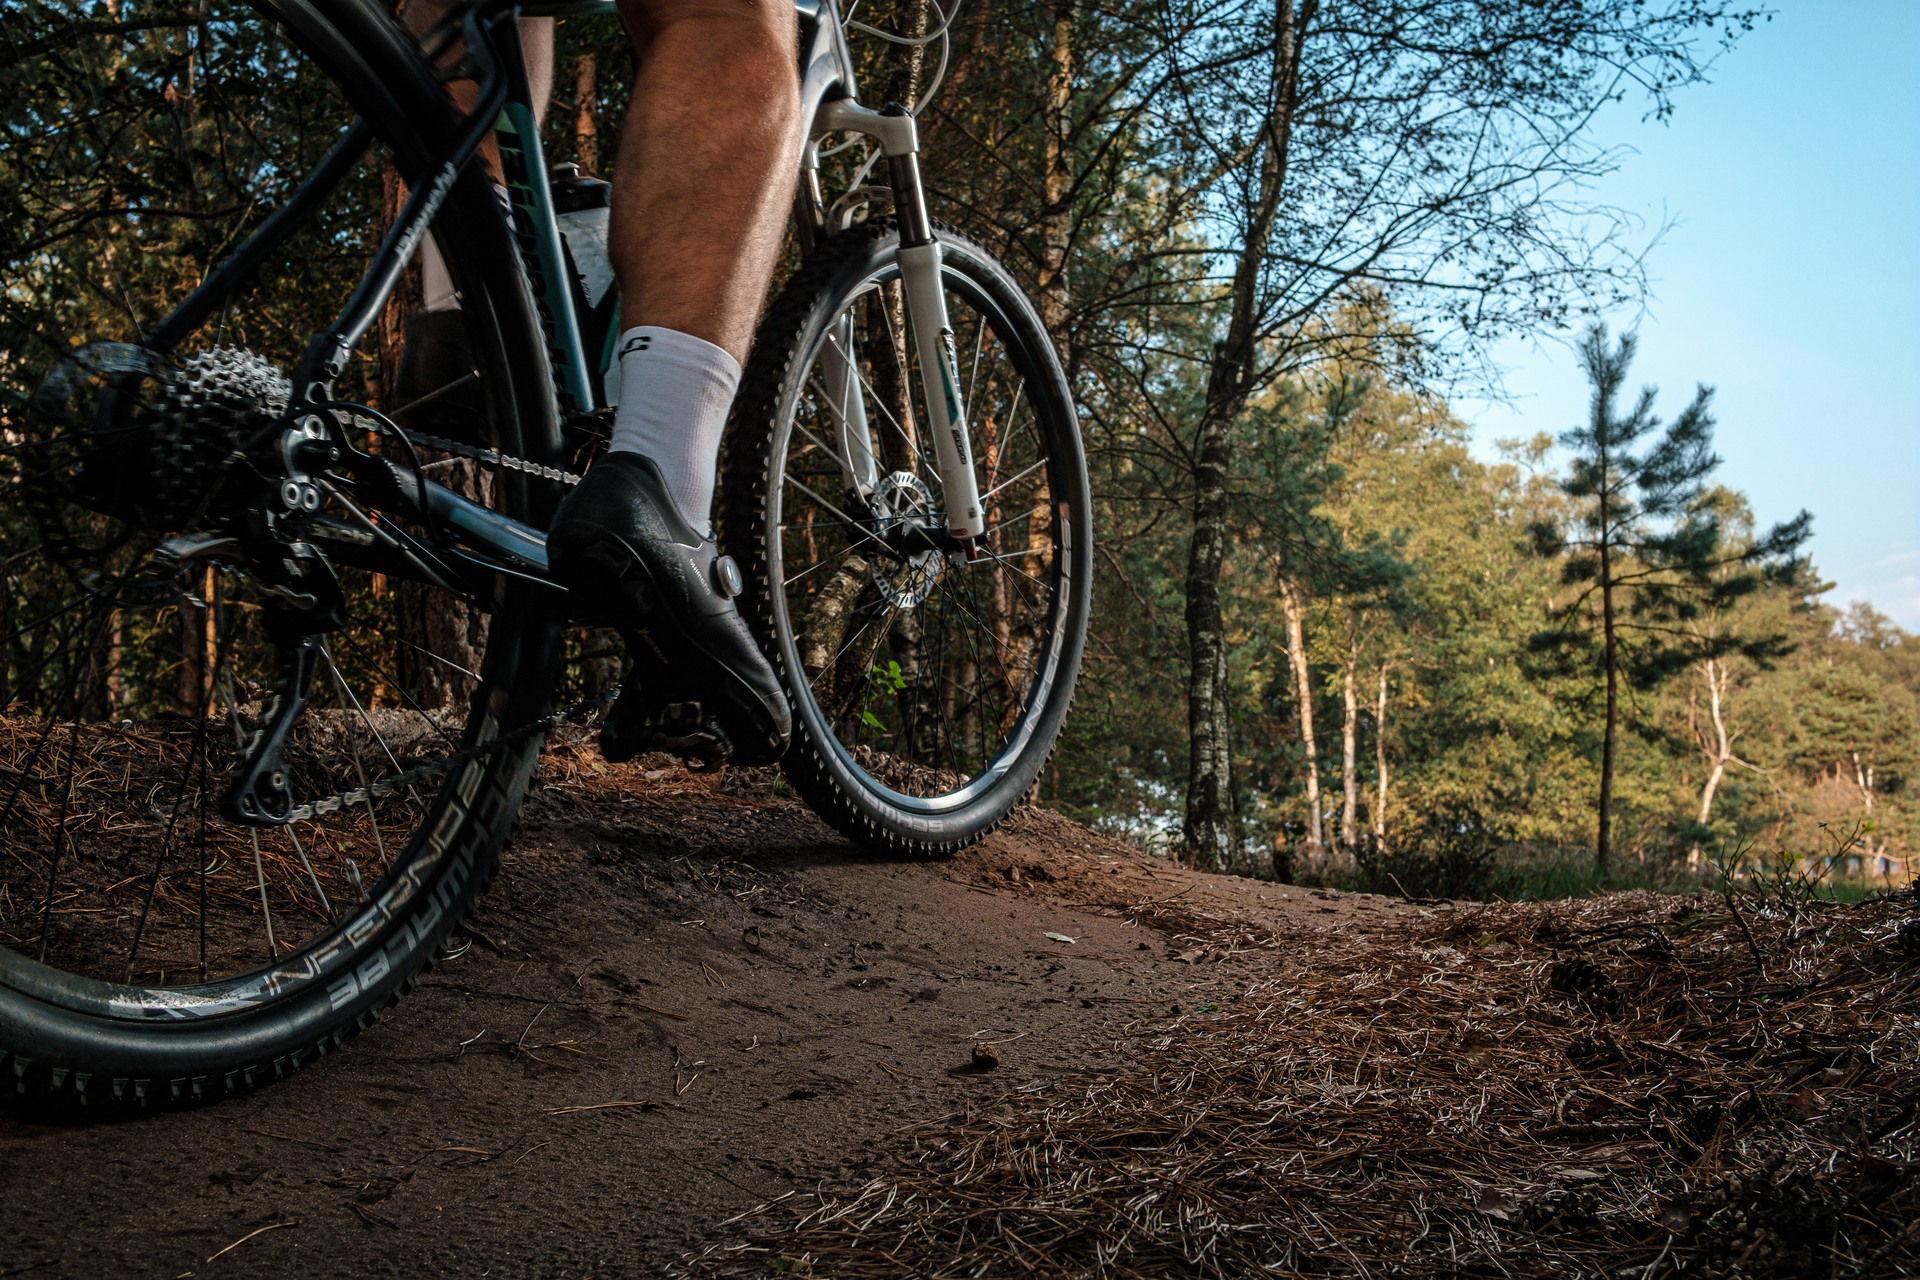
x=1061, y=937
x=1495, y=1204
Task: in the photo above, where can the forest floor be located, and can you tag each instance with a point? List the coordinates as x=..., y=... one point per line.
x=698, y=1032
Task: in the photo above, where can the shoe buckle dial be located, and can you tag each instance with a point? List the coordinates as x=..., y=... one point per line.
x=726, y=578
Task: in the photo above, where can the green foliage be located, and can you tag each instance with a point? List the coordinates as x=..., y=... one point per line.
x=141, y=143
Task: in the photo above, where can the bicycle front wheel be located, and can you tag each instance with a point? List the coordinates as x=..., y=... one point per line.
x=928, y=687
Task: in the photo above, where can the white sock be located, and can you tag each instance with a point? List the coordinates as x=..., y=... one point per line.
x=675, y=390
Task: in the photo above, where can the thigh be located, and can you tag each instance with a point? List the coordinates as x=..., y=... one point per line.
x=776, y=20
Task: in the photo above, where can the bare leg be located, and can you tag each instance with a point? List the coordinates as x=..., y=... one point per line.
x=706, y=172
x=708, y=161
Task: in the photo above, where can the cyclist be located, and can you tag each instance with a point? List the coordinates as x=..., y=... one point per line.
x=705, y=178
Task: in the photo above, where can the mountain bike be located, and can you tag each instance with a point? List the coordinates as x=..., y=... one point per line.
x=279, y=662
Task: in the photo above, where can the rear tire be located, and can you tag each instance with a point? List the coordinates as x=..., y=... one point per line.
x=71, y=1032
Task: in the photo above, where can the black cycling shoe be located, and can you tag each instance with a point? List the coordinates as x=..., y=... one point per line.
x=627, y=558
x=436, y=368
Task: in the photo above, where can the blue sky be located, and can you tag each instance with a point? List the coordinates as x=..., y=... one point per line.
x=1789, y=281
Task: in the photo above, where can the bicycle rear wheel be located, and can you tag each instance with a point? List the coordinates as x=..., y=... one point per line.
x=927, y=687
x=153, y=949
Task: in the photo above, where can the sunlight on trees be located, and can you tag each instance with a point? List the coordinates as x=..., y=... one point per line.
x=1268, y=239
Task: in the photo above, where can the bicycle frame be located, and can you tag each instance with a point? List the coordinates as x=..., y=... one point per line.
x=495, y=545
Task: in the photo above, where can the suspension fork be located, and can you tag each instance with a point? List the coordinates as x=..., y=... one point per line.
x=926, y=302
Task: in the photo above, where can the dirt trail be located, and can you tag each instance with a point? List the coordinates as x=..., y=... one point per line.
x=763, y=1005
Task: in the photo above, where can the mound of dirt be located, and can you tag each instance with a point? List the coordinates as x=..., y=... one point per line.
x=1720, y=1085
x=685, y=997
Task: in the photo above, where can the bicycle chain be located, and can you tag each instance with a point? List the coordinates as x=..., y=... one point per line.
x=44, y=506
x=491, y=457
x=396, y=783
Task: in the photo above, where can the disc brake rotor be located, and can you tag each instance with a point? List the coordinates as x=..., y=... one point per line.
x=902, y=499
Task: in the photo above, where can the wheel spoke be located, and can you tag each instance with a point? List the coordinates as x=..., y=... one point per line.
x=386, y=673
x=874, y=397
x=59, y=838
x=340, y=683
x=359, y=765
x=166, y=844
x=266, y=908
x=966, y=659
x=1013, y=479
x=435, y=394
x=849, y=520
x=326, y=907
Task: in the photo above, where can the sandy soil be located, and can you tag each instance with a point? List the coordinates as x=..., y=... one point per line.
x=681, y=1001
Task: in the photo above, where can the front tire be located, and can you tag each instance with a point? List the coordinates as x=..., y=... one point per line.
x=927, y=691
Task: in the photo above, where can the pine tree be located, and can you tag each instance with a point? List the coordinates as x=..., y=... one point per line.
x=1643, y=555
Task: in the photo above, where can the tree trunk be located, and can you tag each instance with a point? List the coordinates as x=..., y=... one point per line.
x=1723, y=746
x=116, y=679
x=1210, y=831
x=980, y=18
x=1349, y=731
x=919, y=709
x=966, y=693
x=1380, y=763
x=1303, y=690
x=391, y=327
x=443, y=638
x=1863, y=778
x=586, y=140
x=600, y=668
x=903, y=83
x=827, y=621
x=197, y=640
x=1056, y=215
x=1603, y=849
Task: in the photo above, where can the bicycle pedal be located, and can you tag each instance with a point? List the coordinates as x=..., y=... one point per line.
x=679, y=728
